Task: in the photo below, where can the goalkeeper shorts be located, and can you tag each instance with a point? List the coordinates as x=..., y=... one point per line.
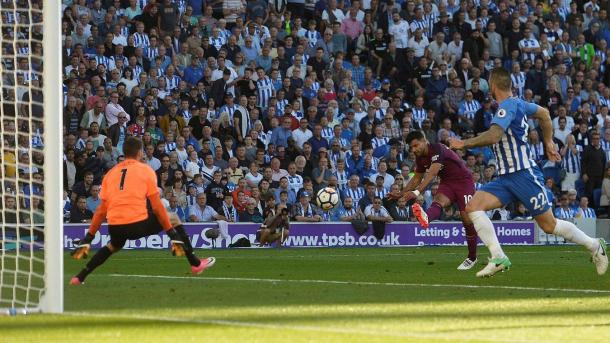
x=119, y=234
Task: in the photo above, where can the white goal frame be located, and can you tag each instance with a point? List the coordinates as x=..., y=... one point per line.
x=52, y=300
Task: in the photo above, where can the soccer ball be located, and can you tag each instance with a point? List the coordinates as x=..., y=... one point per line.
x=327, y=198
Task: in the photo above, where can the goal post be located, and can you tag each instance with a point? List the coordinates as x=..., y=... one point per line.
x=53, y=297
x=31, y=157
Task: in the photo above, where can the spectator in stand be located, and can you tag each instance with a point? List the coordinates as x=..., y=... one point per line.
x=593, y=164
x=414, y=65
x=564, y=211
x=81, y=214
x=584, y=211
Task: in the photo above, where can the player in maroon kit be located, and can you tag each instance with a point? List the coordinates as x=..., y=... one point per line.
x=456, y=186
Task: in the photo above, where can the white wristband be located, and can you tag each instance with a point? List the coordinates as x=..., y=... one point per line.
x=416, y=192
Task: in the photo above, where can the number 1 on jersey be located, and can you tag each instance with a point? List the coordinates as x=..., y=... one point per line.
x=123, y=173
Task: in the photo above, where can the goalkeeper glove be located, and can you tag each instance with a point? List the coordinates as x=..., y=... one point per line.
x=82, y=249
x=177, y=245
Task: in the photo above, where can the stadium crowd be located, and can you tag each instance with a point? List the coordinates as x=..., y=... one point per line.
x=246, y=104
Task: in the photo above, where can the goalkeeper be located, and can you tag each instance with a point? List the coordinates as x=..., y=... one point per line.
x=126, y=190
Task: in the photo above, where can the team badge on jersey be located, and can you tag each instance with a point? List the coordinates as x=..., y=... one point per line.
x=501, y=113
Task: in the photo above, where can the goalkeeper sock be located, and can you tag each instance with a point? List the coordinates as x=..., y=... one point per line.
x=434, y=212
x=471, y=240
x=573, y=234
x=188, y=248
x=97, y=260
x=485, y=230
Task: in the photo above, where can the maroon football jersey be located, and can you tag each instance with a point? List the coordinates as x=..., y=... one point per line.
x=452, y=166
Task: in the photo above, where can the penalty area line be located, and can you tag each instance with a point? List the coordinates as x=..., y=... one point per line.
x=307, y=328
x=365, y=283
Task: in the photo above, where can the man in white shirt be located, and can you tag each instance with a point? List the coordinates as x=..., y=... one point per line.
x=382, y=168
x=201, y=212
x=302, y=134
x=151, y=160
x=454, y=48
x=336, y=12
x=561, y=113
x=400, y=32
x=438, y=47
x=419, y=43
x=379, y=215
x=562, y=132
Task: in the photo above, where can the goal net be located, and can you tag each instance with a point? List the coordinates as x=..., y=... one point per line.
x=31, y=173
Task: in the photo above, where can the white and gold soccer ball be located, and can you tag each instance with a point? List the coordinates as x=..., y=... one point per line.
x=327, y=198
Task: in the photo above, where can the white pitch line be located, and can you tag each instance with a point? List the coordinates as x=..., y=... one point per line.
x=334, y=255
x=309, y=328
x=365, y=283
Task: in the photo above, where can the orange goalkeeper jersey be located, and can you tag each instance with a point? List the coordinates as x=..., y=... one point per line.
x=125, y=189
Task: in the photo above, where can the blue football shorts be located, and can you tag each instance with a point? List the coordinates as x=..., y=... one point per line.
x=526, y=186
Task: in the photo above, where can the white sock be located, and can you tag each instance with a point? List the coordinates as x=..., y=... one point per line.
x=485, y=230
x=570, y=232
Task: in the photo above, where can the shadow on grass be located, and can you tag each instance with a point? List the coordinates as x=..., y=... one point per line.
x=533, y=320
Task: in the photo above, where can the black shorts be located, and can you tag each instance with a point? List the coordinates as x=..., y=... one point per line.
x=119, y=234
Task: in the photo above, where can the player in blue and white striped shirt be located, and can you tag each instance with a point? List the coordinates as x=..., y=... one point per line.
x=518, y=176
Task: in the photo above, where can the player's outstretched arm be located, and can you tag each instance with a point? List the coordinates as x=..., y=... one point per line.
x=489, y=137
x=432, y=172
x=544, y=119
x=413, y=183
x=98, y=217
x=83, y=247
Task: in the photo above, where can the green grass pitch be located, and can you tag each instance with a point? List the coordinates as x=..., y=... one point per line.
x=552, y=294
